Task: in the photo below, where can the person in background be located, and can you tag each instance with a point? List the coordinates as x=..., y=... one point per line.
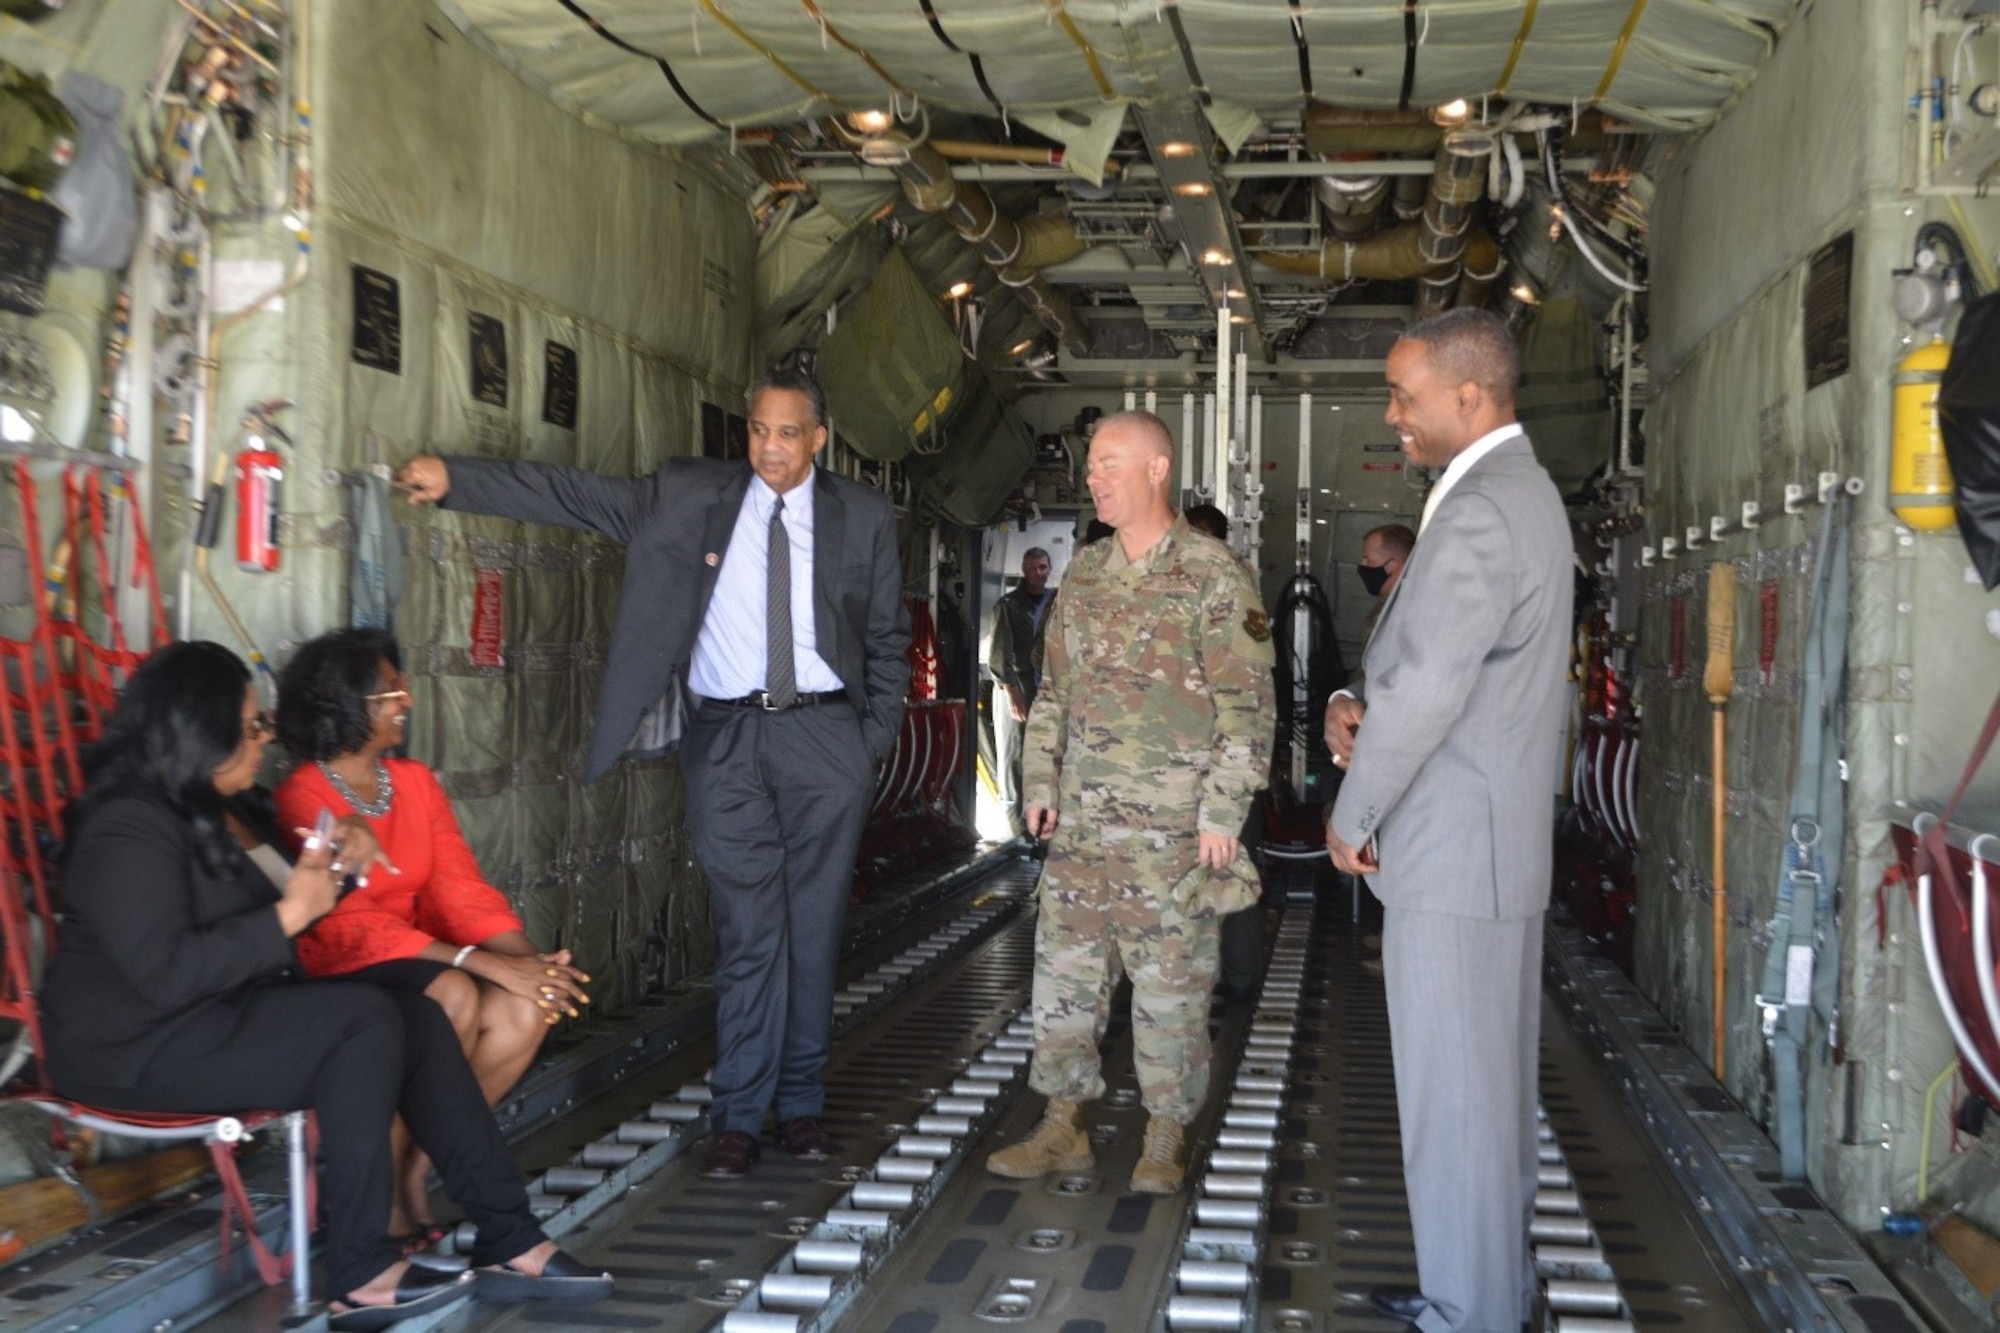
x=1384, y=552
x=427, y=922
x=1151, y=736
x=175, y=988
x=1015, y=659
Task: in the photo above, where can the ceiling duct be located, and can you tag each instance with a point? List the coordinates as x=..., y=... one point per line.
x=1457, y=185
x=1332, y=130
x=1001, y=242
x=1396, y=255
x=1353, y=204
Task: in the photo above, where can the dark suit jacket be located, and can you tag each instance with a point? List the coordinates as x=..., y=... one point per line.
x=676, y=526
x=154, y=952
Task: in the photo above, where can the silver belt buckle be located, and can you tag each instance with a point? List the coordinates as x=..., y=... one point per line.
x=764, y=702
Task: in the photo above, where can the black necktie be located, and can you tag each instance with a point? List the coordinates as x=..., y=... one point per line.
x=780, y=682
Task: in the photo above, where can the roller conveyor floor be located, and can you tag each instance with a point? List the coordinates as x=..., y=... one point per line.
x=904, y=1230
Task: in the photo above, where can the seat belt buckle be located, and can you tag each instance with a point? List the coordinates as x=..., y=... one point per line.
x=1771, y=1009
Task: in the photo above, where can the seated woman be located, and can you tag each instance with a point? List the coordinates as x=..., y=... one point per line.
x=175, y=988
x=429, y=922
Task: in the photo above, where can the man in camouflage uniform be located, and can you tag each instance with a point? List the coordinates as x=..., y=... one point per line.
x=1150, y=737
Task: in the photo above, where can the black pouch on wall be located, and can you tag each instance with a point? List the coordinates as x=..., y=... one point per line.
x=1969, y=417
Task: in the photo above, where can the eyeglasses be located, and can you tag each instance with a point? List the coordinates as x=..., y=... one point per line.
x=260, y=728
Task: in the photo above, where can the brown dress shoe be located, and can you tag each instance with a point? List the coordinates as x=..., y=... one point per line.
x=729, y=1155
x=804, y=1137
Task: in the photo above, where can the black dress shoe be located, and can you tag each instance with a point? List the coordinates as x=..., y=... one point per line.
x=729, y=1155
x=804, y=1137
x=421, y=1291
x=1399, y=1302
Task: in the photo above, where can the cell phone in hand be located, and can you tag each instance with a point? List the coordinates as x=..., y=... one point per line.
x=322, y=833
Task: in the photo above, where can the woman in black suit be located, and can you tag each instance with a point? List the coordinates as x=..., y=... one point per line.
x=175, y=988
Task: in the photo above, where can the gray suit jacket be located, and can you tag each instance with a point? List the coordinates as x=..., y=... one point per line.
x=1454, y=765
x=676, y=526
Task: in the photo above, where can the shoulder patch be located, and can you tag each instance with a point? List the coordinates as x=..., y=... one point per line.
x=1257, y=625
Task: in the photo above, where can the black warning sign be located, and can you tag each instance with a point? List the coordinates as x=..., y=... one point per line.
x=488, y=359
x=378, y=320
x=559, y=385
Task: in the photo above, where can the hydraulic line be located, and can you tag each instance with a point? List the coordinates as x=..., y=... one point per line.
x=1068, y=25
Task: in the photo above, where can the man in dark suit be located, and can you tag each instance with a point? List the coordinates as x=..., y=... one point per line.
x=794, y=670
x=1448, y=807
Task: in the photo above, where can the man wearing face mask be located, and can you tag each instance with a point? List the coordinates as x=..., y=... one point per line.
x=1383, y=553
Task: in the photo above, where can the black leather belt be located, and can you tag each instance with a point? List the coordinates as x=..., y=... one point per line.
x=762, y=699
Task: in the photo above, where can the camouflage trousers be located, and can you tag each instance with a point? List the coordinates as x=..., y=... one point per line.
x=1100, y=916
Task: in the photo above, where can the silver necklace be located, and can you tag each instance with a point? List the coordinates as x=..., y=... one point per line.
x=385, y=791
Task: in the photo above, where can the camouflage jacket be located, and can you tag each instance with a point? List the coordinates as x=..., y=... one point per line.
x=1156, y=707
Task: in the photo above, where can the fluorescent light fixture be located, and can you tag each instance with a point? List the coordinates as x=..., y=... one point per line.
x=1177, y=148
x=1214, y=257
x=1194, y=189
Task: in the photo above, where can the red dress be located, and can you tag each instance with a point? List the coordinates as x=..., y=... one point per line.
x=439, y=896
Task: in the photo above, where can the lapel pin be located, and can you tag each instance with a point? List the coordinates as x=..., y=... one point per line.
x=713, y=559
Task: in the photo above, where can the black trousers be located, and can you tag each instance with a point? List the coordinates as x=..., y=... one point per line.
x=775, y=805
x=354, y=1054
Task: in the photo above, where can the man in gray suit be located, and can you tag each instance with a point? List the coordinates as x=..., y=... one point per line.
x=771, y=592
x=1448, y=808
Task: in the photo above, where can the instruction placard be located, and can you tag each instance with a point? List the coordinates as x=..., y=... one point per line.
x=378, y=321
x=559, y=385
x=488, y=359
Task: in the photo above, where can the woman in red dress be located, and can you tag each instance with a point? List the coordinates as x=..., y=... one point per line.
x=430, y=922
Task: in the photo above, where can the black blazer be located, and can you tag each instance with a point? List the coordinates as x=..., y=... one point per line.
x=676, y=526
x=154, y=952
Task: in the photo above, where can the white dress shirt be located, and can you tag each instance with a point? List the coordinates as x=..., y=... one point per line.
x=729, y=654
x=1462, y=464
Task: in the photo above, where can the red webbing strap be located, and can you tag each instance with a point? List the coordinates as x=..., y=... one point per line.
x=31, y=527
x=142, y=556
x=1932, y=850
x=107, y=574
x=236, y=1203
x=80, y=679
x=23, y=803
x=17, y=996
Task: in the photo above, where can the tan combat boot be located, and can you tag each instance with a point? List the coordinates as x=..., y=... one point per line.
x=1059, y=1143
x=1162, y=1163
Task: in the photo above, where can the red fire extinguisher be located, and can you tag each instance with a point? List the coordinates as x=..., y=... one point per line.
x=260, y=481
